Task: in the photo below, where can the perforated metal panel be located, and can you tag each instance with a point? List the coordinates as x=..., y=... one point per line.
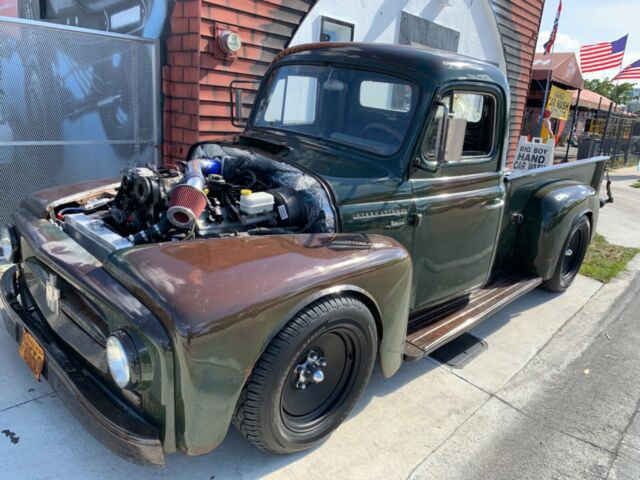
x=74, y=105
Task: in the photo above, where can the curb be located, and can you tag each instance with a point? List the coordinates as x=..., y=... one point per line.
x=579, y=332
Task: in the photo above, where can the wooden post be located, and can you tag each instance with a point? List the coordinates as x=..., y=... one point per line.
x=546, y=90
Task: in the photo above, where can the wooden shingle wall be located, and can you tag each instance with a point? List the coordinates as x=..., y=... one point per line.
x=518, y=23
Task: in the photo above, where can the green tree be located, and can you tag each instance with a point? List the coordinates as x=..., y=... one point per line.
x=607, y=87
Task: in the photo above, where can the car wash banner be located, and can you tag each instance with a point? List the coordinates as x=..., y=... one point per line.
x=559, y=103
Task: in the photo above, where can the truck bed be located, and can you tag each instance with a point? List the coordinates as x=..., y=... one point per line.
x=521, y=186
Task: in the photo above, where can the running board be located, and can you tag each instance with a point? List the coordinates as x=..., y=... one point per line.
x=445, y=322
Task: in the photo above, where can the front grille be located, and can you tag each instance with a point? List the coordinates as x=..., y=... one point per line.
x=76, y=320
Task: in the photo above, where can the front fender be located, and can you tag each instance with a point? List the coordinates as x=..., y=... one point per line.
x=223, y=300
x=549, y=216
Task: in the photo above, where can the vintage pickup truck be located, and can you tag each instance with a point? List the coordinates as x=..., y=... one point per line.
x=364, y=212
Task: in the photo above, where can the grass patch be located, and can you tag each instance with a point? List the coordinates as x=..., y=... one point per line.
x=604, y=261
x=636, y=184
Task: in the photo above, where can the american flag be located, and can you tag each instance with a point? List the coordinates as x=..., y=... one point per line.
x=602, y=56
x=630, y=72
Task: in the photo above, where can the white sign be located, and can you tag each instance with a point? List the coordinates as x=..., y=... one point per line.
x=533, y=154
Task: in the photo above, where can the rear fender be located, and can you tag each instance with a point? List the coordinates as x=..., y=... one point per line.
x=548, y=218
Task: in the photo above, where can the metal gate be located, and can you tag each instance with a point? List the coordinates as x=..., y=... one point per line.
x=75, y=105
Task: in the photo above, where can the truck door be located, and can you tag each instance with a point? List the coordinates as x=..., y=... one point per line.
x=459, y=196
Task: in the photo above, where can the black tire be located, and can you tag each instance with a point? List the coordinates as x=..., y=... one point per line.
x=275, y=412
x=571, y=257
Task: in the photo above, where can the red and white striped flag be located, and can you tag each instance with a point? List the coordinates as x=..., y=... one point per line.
x=602, y=56
x=554, y=31
x=630, y=72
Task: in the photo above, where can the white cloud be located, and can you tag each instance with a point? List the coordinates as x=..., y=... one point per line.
x=564, y=42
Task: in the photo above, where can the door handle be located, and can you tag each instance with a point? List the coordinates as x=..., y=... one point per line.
x=493, y=204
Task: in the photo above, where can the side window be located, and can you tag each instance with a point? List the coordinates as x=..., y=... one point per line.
x=293, y=101
x=475, y=114
x=431, y=141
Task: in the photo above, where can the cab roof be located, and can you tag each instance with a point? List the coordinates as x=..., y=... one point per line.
x=415, y=61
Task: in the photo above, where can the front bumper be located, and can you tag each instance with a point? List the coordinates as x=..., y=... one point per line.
x=109, y=419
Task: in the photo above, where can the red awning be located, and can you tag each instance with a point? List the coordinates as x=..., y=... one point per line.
x=565, y=69
x=589, y=99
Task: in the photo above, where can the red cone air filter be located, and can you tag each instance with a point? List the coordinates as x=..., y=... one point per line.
x=186, y=205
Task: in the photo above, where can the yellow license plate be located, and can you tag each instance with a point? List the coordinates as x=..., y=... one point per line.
x=32, y=353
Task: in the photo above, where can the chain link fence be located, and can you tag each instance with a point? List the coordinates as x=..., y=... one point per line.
x=614, y=133
x=74, y=105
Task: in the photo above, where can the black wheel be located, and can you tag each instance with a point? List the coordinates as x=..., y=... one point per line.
x=309, y=377
x=571, y=257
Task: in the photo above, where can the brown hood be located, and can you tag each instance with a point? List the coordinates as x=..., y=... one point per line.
x=204, y=284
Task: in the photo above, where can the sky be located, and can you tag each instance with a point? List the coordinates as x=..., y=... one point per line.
x=584, y=22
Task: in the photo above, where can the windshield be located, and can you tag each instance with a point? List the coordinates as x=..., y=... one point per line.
x=362, y=109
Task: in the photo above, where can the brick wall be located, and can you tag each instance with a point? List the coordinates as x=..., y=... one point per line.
x=196, y=76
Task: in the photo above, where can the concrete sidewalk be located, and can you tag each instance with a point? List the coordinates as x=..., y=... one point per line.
x=570, y=413
x=619, y=222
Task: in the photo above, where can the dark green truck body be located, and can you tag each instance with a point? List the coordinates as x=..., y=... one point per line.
x=203, y=311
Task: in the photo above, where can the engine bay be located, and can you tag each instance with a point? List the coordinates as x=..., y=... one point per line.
x=219, y=192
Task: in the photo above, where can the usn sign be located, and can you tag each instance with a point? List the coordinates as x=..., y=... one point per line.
x=533, y=154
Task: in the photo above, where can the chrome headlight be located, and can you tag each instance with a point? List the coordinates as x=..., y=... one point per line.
x=122, y=359
x=9, y=245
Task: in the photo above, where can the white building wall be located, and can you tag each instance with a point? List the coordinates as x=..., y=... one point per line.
x=379, y=21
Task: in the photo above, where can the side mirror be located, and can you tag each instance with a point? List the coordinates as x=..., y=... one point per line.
x=241, y=100
x=454, y=140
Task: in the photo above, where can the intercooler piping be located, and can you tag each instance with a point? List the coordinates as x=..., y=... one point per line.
x=199, y=168
x=188, y=200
